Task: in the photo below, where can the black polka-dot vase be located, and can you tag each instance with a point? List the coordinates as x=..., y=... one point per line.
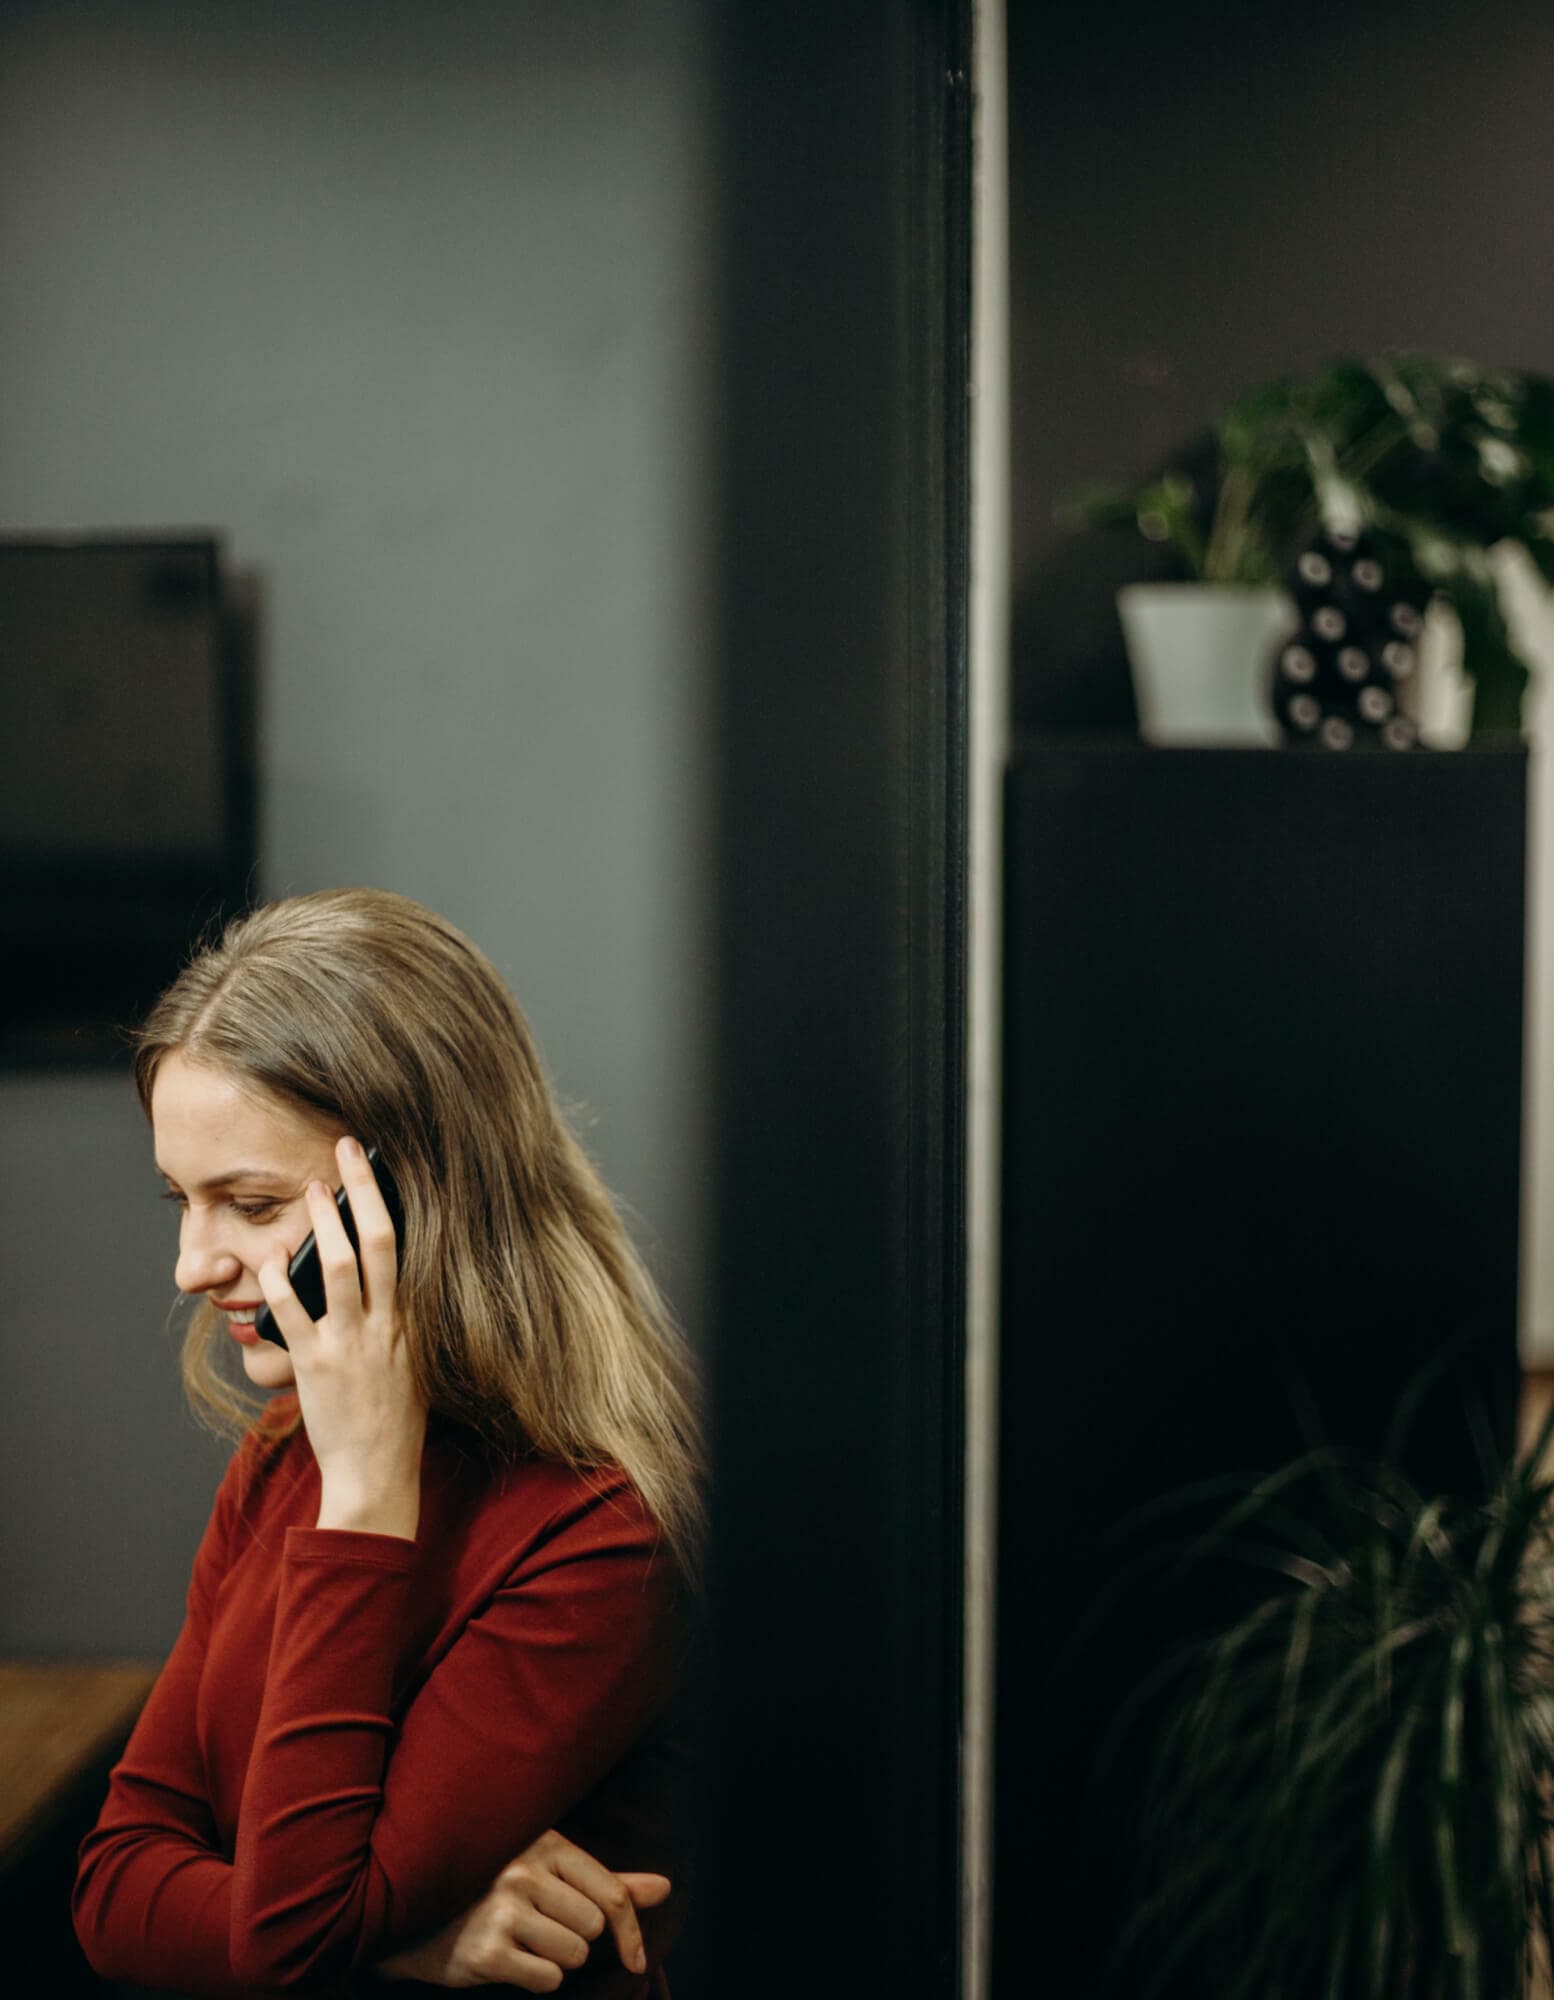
x=1341, y=680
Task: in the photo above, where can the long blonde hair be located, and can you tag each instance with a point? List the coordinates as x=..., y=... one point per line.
x=530, y=1316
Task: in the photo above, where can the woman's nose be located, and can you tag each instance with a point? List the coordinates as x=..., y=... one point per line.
x=203, y=1264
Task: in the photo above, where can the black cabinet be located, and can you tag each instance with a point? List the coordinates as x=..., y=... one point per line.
x=1262, y=1160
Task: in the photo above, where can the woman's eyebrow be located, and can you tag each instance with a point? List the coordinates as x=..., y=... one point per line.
x=234, y=1174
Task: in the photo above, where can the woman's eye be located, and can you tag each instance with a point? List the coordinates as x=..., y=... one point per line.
x=251, y=1211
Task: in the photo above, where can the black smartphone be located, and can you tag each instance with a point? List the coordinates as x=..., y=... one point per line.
x=305, y=1271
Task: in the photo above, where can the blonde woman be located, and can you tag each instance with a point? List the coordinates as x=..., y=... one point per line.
x=419, y=1720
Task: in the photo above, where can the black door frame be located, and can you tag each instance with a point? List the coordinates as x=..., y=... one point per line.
x=840, y=819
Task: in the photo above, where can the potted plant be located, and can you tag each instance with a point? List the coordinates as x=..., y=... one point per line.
x=1436, y=462
x=1349, y=1786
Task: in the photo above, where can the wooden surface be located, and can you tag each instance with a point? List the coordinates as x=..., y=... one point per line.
x=56, y=1721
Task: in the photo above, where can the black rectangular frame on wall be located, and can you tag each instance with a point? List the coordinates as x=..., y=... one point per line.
x=128, y=823
x=840, y=762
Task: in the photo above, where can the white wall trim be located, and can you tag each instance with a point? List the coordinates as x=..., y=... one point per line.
x=988, y=690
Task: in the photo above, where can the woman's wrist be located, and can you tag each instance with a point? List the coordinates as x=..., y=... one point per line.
x=392, y=1510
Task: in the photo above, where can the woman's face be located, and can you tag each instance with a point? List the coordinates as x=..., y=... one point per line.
x=238, y=1164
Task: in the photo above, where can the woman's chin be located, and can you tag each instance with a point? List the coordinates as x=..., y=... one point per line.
x=268, y=1366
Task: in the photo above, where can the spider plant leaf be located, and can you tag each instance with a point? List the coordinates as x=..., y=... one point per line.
x=1538, y=1712
x=1500, y=1742
x=1453, y=1919
x=1453, y=1707
x=1470, y=1965
x=1486, y=1447
x=1338, y=1958
x=1281, y=1560
x=1118, y=1738
x=1541, y=1931
x=1428, y=1542
x=1383, y=1857
x=1297, y=1652
x=1194, y=1918
x=1374, y=1741
x=1254, y=1502
x=1425, y=1378
x=1224, y=1659
x=1344, y=1714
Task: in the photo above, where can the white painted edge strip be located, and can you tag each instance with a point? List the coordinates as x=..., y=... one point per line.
x=988, y=699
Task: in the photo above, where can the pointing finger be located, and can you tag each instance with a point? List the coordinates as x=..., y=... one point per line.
x=373, y=1223
x=336, y=1258
x=286, y=1309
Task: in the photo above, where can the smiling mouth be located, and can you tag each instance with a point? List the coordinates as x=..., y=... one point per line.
x=244, y=1315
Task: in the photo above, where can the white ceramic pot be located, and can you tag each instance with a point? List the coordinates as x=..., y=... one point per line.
x=1202, y=658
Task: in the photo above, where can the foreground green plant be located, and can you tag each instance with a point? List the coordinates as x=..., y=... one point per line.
x=1348, y=1789
x=1432, y=455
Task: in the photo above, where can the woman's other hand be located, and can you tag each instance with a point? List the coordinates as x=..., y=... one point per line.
x=364, y=1420
x=534, y=1924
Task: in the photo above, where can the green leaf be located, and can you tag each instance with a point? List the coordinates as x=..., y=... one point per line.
x=1498, y=670
x=1338, y=1960
x=1165, y=513
x=1347, y=1790
x=1383, y=1858
x=1504, y=1774
x=1535, y=424
x=1541, y=1933
x=1097, y=507
x=1540, y=550
x=1253, y=1503
x=1296, y=1654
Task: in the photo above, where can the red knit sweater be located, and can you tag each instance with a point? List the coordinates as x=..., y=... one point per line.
x=355, y=1732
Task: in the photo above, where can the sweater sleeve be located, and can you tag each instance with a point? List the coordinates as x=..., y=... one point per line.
x=357, y=1836
x=151, y=1898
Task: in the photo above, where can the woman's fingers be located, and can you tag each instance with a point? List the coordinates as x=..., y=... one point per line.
x=645, y=1891
x=546, y=1938
x=374, y=1224
x=336, y=1258
x=605, y=1889
x=566, y=1905
x=565, y=1898
x=286, y=1309
x=515, y=1967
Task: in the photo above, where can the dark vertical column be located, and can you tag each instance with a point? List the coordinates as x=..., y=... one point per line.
x=838, y=1320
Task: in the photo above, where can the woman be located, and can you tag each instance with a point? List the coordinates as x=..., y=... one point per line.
x=422, y=1703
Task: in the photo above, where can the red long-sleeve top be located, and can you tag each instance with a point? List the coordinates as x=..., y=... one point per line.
x=354, y=1733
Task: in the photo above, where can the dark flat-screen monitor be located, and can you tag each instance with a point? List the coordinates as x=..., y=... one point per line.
x=126, y=821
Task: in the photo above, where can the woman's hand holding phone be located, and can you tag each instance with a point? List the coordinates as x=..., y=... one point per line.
x=364, y=1419
x=535, y=1923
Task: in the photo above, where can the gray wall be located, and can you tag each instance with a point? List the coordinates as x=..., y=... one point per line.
x=1205, y=198
x=405, y=297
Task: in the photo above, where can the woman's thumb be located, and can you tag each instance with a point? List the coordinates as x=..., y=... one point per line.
x=644, y=1890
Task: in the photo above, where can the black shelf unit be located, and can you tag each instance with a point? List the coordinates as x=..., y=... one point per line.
x=1262, y=1161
